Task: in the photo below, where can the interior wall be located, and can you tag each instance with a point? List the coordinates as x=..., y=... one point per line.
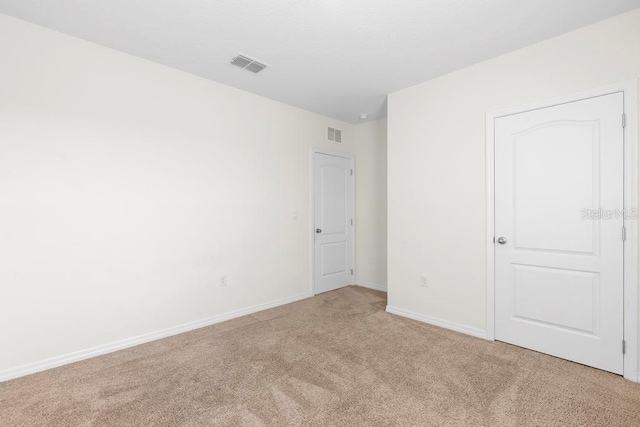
x=437, y=159
x=371, y=214
x=128, y=188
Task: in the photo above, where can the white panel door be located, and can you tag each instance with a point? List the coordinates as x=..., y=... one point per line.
x=558, y=222
x=333, y=205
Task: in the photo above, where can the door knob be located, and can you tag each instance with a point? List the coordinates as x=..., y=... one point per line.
x=318, y=230
x=502, y=240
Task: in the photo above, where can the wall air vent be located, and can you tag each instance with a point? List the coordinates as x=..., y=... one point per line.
x=248, y=63
x=334, y=135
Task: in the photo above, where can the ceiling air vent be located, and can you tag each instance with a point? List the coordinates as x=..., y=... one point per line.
x=248, y=63
x=334, y=135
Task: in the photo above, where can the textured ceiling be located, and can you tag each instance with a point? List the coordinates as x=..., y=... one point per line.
x=335, y=57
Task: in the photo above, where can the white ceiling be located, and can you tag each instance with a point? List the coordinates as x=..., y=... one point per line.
x=335, y=57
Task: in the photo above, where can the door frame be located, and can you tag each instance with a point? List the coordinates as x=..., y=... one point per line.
x=352, y=158
x=630, y=94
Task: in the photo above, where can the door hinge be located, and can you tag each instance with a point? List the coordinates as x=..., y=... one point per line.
x=624, y=120
x=351, y=172
x=624, y=346
x=351, y=221
x=624, y=234
x=352, y=271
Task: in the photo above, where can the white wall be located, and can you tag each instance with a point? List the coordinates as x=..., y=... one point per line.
x=127, y=188
x=437, y=159
x=371, y=216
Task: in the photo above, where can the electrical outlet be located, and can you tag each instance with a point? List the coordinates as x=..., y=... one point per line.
x=423, y=281
x=223, y=280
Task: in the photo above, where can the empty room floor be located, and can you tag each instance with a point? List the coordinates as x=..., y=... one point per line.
x=335, y=359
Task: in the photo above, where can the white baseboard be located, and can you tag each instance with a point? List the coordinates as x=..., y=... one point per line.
x=437, y=322
x=373, y=286
x=65, y=359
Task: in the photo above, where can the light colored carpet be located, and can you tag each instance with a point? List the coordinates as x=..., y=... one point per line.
x=335, y=359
